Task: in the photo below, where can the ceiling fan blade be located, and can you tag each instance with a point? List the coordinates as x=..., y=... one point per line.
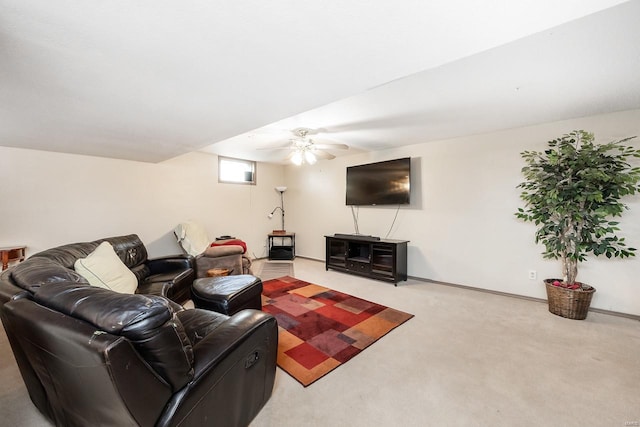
x=330, y=146
x=276, y=147
x=323, y=155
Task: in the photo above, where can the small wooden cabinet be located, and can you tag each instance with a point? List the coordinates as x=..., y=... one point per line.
x=381, y=259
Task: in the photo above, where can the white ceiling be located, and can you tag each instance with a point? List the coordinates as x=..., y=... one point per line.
x=148, y=80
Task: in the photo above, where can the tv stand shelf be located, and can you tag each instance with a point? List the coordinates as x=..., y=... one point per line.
x=380, y=259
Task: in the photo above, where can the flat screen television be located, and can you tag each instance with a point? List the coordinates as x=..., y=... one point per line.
x=381, y=183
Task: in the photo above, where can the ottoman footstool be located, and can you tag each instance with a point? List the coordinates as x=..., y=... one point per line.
x=227, y=294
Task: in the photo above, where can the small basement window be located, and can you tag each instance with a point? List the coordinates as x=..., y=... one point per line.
x=236, y=171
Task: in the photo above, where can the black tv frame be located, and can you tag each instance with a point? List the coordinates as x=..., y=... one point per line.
x=380, y=183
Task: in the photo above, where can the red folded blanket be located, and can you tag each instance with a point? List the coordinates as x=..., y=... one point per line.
x=236, y=242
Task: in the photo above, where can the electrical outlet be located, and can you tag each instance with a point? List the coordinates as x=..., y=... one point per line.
x=532, y=275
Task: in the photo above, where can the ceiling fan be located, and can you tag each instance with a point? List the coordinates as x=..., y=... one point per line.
x=306, y=150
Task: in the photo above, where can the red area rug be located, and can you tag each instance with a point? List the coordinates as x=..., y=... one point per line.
x=320, y=329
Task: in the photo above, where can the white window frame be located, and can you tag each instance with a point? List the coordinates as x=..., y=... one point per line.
x=231, y=170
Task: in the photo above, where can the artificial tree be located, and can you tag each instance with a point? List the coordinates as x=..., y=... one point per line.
x=572, y=191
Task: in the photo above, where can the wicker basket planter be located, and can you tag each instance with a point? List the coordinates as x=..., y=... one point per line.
x=569, y=303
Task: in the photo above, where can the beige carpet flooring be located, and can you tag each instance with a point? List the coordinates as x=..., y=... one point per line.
x=267, y=270
x=468, y=358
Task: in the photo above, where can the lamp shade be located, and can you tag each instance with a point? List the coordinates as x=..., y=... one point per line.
x=297, y=158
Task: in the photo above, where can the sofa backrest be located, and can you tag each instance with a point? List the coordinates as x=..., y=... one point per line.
x=148, y=322
x=56, y=264
x=132, y=252
x=38, y=271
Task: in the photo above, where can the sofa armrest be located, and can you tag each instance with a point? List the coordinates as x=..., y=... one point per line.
x=160, y=289
x=170, y=263
x=236, y=362
x=154, y=288
x=9, y=291
x=224, y=250
x=230, y=335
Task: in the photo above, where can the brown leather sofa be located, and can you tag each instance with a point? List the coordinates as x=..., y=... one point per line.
x=91, y=356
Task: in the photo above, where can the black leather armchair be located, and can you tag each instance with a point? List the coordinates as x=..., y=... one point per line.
x=91, y=356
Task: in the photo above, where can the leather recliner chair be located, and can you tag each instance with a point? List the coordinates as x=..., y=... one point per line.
x=92, y=356
x=225, y=254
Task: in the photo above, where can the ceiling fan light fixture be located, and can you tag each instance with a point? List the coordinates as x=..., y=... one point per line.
x=310, y=157
x=297, y=158
x=304, y=150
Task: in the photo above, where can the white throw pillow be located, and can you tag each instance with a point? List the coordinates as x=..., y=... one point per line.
x=192, y=237
x=104, y=269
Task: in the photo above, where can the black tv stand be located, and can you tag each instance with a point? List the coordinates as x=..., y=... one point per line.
x=356, y=236
x=368, y=256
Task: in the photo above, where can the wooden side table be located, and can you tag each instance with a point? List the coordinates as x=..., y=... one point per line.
x=218, y=272
x=12, y=253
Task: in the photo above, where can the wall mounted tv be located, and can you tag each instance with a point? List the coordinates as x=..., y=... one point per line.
x=381, y=183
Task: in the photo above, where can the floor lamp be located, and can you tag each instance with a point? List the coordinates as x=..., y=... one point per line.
x=281, y=190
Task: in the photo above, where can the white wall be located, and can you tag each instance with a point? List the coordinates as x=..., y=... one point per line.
x=48, y=199
x=461, y=223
